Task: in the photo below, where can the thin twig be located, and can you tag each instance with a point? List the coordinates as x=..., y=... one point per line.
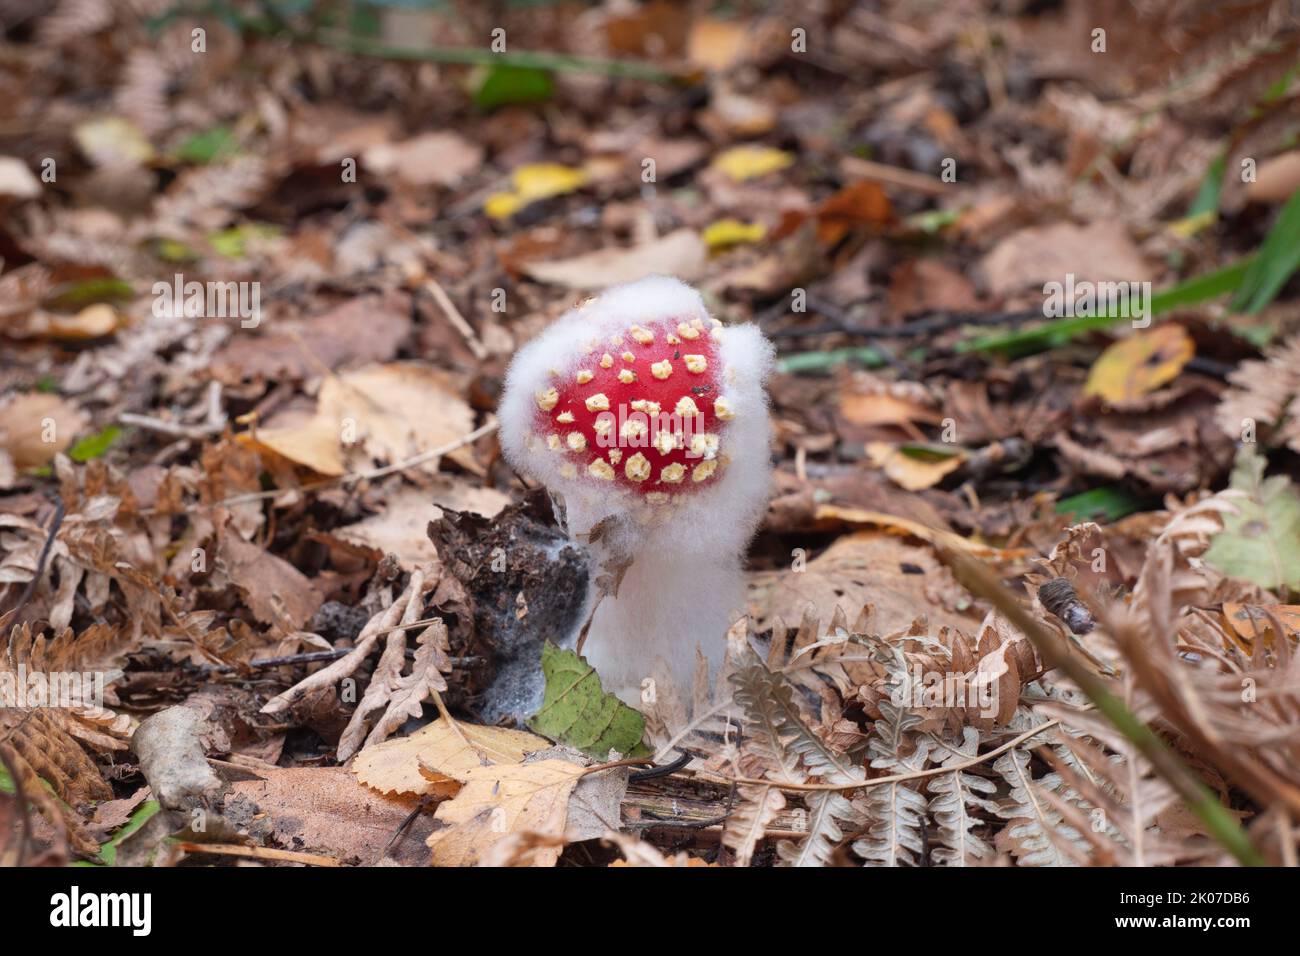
x=260, y=853
x=457, y=320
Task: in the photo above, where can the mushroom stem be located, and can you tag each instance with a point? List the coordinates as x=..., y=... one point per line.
x=665, y=609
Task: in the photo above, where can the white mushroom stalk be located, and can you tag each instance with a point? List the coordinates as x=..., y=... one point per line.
x=648, y=418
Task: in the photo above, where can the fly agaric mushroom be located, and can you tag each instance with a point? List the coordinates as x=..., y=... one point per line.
x=648, y=418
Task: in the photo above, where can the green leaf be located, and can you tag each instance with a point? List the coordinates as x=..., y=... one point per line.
x=208, y=146
x=6, y=782
x=233, y=242
x=1207, y=197
x=77, y=295
x=506, y=85
x=173, y=250
x=92, y=446
x=1108, y=502
x=1276, y=260
x=1261, y=542
x=576, y=710
x=143, y=814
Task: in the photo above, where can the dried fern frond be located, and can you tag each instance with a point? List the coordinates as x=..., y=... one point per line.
x=1122, y=786
x=954, y=799
x=779, y=745
x=1266, y=393
x=50, y=743
x=1036, y=832
x=757, y=805
x=896, y=812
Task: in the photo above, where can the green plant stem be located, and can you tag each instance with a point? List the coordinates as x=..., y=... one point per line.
x=474, y=56
x=980, y=581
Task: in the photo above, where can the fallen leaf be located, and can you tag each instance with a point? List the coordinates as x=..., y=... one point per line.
x=399, y=528
x=576, y=710
x=866, y=567
x=1140, y=363
x=531, y=183
x=325, y=810
x=681, y=254
x=276, y=591
x=435, y=759
x=888, y=404
x=716, y=44
x=431, y=159
x=1099, y=252
x=1260, y=543
x=501, y=799
x=858, y=204
x=1276, y=178
x=17, y=180
x=299, y=350
x=36, y=426
x=1251, y=621
x=912, y=471
x=381, y=413
x=113, y=141
x=741, y=163
x=732, y=232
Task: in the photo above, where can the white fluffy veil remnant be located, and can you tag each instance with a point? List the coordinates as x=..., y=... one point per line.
x=648, y=418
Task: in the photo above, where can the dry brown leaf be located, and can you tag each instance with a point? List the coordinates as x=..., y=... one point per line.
x=908, y=471
x=430, y=159
x=324, y=810
x=434, y=759
x=502, y=799
x=681, y=253
x=35, y=426
x=276, y=591
x=399, y=528
x=1276, y=178
x=1099, y=252
x=381, y=414
x=16, y=179
x=715, y=44
x=858, y=569
x=299, y=350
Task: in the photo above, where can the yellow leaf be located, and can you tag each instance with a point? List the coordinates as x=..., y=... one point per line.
x=533, y=182
x=113, y=141
x=732, y=232
x=503, y=799
x=908, y=471
x=749, y=162
x=1140, y=364
x=436, y=757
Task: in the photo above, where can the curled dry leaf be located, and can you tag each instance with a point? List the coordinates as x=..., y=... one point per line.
x=380, y=414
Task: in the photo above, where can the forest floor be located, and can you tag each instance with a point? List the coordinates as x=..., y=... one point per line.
x=1028, y=269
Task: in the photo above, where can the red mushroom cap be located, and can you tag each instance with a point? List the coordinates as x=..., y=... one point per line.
x=642, y=410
